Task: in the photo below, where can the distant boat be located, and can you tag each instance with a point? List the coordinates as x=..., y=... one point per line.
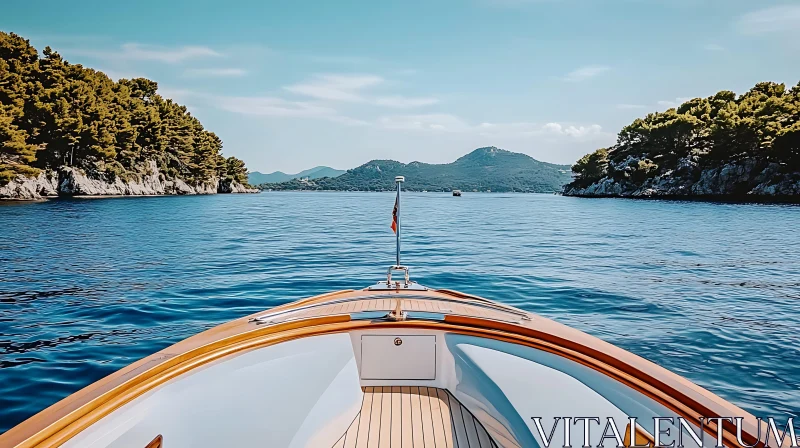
x=392, y=362
x=456, y=192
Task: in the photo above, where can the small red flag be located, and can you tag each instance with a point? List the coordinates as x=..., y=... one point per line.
x=394, y=216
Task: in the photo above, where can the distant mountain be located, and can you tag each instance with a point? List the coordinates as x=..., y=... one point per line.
x=255, y=178
x=484, y=169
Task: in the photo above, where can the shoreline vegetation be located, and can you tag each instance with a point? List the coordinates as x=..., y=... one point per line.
x=488, y=169
x=68, y=130
x=743, y=148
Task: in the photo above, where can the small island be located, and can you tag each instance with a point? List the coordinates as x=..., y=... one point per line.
x=725, y=146
x=67, y=130
x=484, y=169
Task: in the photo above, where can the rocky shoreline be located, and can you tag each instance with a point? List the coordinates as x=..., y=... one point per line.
x=67, y=181
x=748, y=180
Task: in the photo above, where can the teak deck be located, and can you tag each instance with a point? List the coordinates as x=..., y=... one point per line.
x=338, y=312
x=413, y=417
x=411, y=302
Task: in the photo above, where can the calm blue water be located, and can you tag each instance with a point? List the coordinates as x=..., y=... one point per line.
x=710, y=291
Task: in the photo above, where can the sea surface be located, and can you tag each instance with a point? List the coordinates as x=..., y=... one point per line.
x=708, y=290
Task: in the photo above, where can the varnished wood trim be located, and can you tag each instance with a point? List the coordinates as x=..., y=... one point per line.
x=52, y=427
x=413, y=417
x=621, y=370
x=307, y=301
x=156, y=443
x=62, y=421
x=642, y=437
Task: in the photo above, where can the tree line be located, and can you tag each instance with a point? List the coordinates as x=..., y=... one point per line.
x=53, y=113
x=761, y=125
x=484, y=169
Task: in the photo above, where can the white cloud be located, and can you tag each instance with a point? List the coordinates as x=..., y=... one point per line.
x=350, y=88
x=674, y=103
x=713, y=47
x=267, y=106
x=338, y=59
x=336, y=87
x=571, y=130
x=630, y=106
x=272, y=106
x=587, y=72
x=784, y=18
x=435, y=122
x=401, y=102
x=177, y=95
x=547, y=129
x=347, y=121
x=453, y=123
x=215, y=72
x=521, y=127
x=116, y=75
x=139, y=52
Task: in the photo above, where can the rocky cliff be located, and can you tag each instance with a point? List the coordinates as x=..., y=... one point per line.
x=67, y=181
x=747, y=179
x=725, y=146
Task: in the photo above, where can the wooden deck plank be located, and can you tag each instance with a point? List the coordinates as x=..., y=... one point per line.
x=414, y=417
x=483, y=436
x=460, y=438
x=363, y=423
x=436, y=417
x=469, y=425
x=351, y=436
x=499, y=432
x=408, y=442
x=447, y=422
x=373, y=440
x=386, y=417
x=466, y=308
x=460, y=309
x=340, y=443
x=427, y=420
x=397, y=418
x=479, y=311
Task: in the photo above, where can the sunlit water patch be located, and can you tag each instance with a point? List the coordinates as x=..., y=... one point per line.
x=709, y=291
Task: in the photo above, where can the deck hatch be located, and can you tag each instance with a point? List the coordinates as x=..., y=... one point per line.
x=383, y=358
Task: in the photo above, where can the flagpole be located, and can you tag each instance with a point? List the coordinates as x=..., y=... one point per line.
x=399, y=180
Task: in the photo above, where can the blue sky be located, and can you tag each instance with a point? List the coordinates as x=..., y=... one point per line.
x=294, y=84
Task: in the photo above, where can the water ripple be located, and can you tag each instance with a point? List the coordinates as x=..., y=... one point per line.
x=709, y=291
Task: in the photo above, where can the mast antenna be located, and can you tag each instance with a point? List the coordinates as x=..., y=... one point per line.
x=399, y=181
x=388, y=284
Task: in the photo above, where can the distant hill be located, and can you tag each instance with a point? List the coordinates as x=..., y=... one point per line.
x=483, y=169
x=255, y=178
